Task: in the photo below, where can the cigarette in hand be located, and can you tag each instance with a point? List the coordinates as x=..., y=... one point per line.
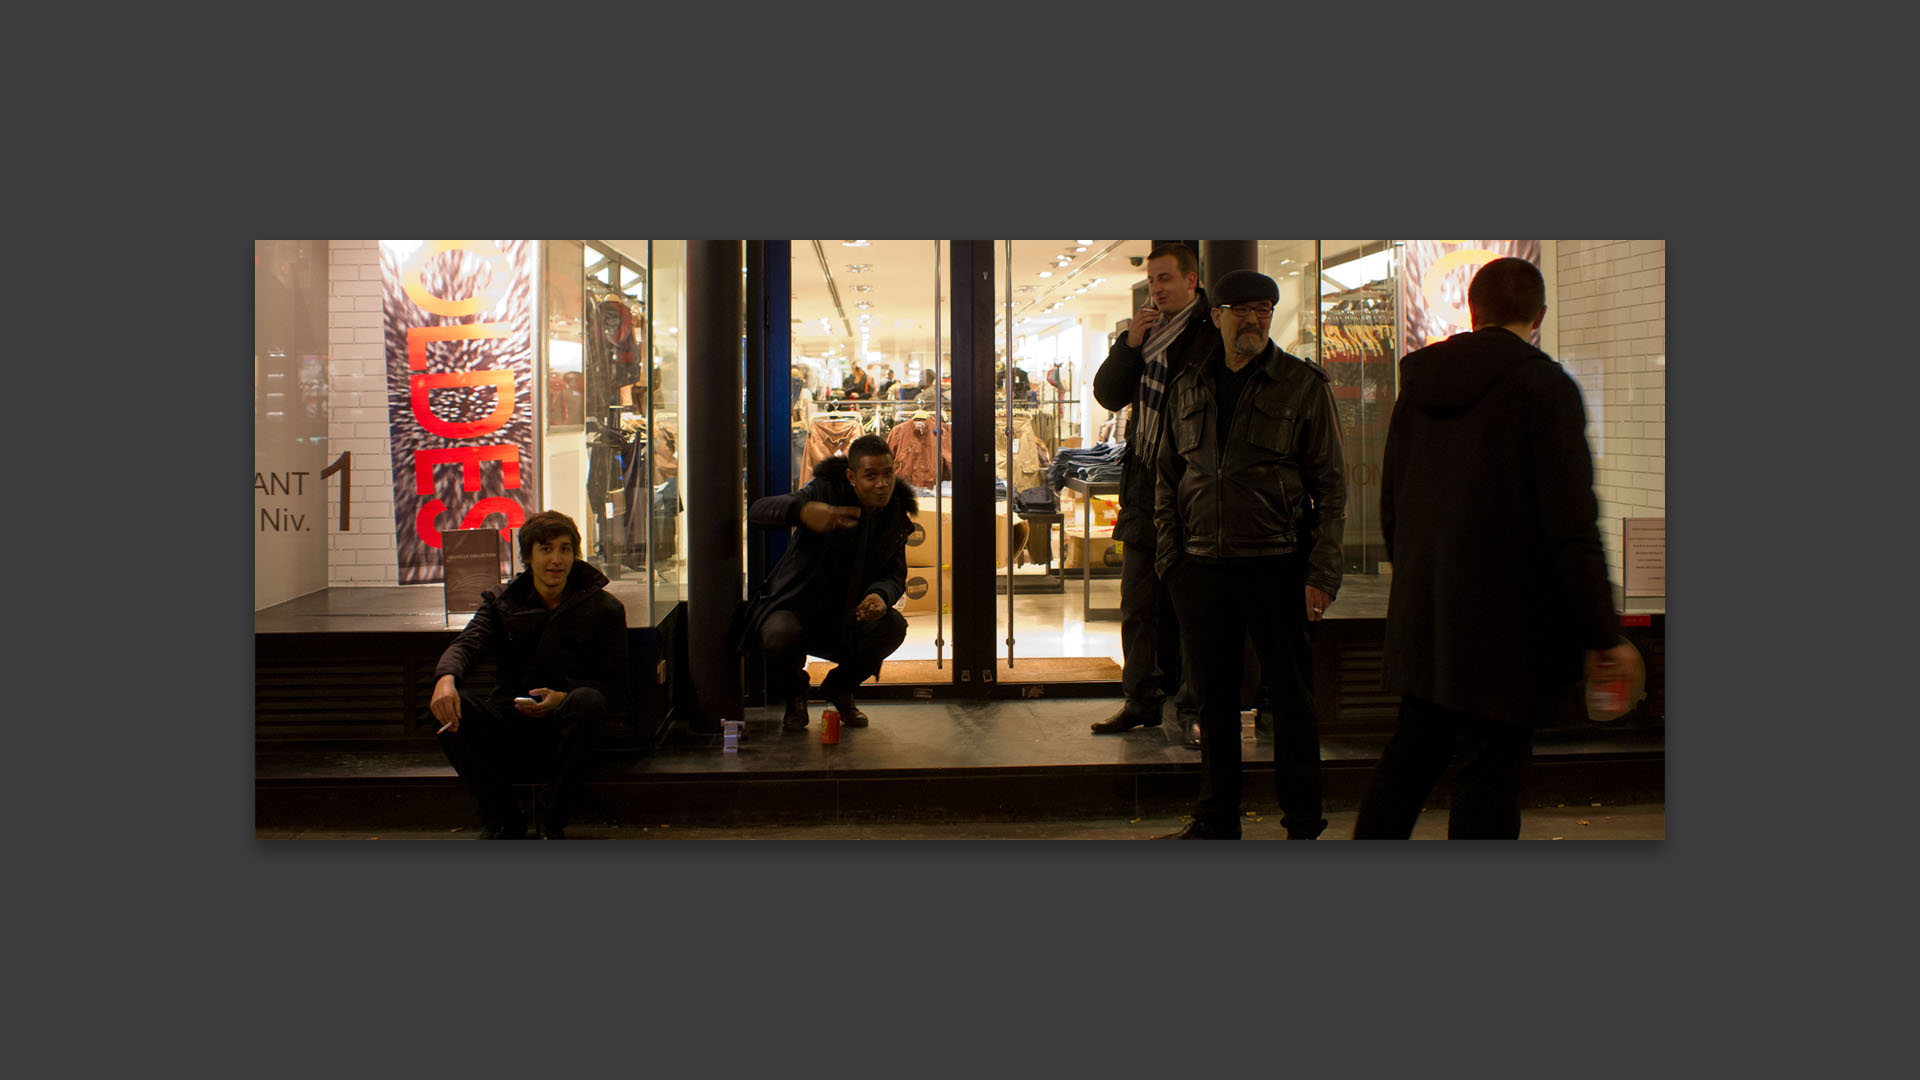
x=444, y=727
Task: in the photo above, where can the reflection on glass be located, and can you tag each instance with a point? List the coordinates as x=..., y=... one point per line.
x=612, y=338
x=868, y=357
x=1065, y=303
x=661, y=392
x=1358, y=336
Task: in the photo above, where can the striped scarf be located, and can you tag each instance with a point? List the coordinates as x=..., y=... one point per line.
x=1153, y=383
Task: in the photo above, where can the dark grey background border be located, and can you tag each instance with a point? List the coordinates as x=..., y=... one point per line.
x=308, y=959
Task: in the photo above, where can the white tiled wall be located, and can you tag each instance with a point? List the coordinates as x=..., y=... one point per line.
x=1612, y=298
x=366, y=553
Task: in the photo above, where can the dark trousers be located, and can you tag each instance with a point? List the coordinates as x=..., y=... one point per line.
x=1485, y=802
x=498, y=746
x=856, y=648
x=1151, y=658
x=1222, y=606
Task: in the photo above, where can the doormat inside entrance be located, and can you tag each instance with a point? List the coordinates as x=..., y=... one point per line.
x=1049, y=669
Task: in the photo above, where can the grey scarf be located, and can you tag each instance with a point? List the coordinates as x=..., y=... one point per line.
x=1153, y=383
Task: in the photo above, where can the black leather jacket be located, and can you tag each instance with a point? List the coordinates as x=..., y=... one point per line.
x=1276, y=487
x=1117, y=385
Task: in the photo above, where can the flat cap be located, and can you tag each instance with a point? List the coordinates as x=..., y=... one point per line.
x=1244, y=287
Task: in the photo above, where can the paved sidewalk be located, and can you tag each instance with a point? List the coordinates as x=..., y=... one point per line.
x=1635, y=822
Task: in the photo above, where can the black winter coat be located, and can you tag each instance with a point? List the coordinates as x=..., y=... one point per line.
x=1117, y=385
x=1489, y=517
x=1277, y=486
x=583, y=642
x=883, y=570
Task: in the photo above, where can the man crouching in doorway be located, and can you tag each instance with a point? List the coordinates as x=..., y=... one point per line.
x=559, y=642
x=833, y=592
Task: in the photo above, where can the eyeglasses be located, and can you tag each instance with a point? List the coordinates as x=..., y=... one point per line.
x=1264, y=311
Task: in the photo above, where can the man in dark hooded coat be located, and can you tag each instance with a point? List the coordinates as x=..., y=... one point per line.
x=1500, y=585
x=833, y=592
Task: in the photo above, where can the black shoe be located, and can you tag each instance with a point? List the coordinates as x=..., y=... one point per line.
x=1191, y=725
x=796, y=715
x=1200, y=830
x=1124, y=720
x=850, y=714
x=515, y=829
x=1263, y=724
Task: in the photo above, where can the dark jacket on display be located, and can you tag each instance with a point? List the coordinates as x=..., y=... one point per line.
x=1117, y=384
x=1489, y=517
x=881, y=570
x=1276, y=487
x=581, y=643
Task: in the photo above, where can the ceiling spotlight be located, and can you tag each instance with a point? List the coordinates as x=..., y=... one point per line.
x=862, y=288
x=854, y=243
x=1078, y=250
x=1046, y=273
x=1083, y=242
x=858, y=268
x=864, y=304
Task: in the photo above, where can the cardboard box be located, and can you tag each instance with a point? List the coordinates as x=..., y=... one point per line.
x=920, y=596
x=920, y=546
x=1106, y=551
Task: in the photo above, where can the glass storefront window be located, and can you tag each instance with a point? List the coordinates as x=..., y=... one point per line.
x=1066, y=301
x=879, y=305
x=611, y=395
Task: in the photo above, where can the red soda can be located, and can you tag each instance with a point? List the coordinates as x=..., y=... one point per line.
x=1607, y=700
x=830, y=726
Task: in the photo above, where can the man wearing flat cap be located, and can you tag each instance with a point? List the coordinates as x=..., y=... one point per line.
x=1249, y=506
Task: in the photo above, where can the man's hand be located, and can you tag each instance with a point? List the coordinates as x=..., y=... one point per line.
x=872, y=607
x=1317, y=602
x=1143, y=320
x=549, y=700
x=826, y=517
x=445, y=704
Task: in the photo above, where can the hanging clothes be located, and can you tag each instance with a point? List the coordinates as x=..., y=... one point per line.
x=1029, y=460
x=829, y=434
x=914, y=456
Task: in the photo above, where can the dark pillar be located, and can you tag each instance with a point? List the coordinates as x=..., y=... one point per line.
x=1219, y=257
x=710, y=428
x=973, y=423
x=769, y=406
x=769, y=391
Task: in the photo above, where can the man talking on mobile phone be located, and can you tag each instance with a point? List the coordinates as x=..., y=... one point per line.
x=1170, y=334
x=559, y=642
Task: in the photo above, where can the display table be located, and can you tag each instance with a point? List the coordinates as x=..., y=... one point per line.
x=1087, y=490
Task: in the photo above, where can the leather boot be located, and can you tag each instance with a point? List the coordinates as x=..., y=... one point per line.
x=850, y=715
x=796, y=715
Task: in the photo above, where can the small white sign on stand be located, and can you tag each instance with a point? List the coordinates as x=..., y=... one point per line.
x=1643, y=547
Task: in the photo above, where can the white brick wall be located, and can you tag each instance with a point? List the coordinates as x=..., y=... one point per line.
x=1612, y=296
x=357, y=378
